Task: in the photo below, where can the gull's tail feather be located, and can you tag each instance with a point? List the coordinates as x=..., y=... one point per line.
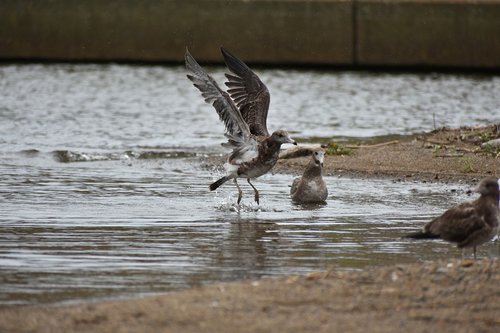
x=218, y=183
x=421, y=235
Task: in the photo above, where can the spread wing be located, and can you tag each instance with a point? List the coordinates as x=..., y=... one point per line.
x=249, y=93
x=237, y=130
x=238, y=133
x=457, y=223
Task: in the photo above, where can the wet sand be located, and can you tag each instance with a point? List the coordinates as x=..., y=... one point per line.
x=441, y=155
x=454, y=295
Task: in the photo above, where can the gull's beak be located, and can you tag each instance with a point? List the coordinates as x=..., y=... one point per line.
x=290, y=140
x=319, y=158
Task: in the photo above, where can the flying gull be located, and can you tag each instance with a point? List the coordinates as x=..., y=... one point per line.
x=243, y=110
x=469, y=224
x=311, y=188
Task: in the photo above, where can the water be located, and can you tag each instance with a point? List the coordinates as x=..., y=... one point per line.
x=104, y=190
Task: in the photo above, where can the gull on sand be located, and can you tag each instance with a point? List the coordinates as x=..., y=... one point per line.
x=468, y=224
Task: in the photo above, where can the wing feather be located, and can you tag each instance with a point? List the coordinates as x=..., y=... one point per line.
x=295, y=185
x=249, y=93
x=235, y=125
x=457, y=223
x=240, y=139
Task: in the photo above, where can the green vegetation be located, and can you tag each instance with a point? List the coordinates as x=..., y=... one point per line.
x=334, y=148
x=436, y=150
x=467, y=164
x=491, y=151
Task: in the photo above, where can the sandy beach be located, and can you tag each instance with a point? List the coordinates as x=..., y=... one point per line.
x=441, y=155
x=444, y=296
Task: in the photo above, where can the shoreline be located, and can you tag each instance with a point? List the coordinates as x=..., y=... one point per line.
x=441, y=295
x=452, y=295
x=444, y=154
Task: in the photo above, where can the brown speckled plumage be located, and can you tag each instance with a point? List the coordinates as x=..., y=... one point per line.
x=311, y=188
x=469, y=224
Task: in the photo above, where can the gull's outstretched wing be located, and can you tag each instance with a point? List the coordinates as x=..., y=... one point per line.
x=237, y=130
x=249, y=93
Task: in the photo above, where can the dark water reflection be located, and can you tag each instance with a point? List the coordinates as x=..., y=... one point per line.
x=102, y=193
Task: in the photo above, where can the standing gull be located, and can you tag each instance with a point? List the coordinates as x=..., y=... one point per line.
x=243, y=110
x=311, y=188
x=469, y=224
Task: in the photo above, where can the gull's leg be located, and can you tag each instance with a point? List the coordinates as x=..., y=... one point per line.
x=255, y=190
x=474, y=253
x=240, y=194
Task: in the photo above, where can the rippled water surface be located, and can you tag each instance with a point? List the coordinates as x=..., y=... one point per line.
x=103, y=188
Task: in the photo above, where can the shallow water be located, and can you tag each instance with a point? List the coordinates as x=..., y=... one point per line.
x=103, y=194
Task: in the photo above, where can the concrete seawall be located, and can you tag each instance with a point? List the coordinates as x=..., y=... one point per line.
x=455, y=33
